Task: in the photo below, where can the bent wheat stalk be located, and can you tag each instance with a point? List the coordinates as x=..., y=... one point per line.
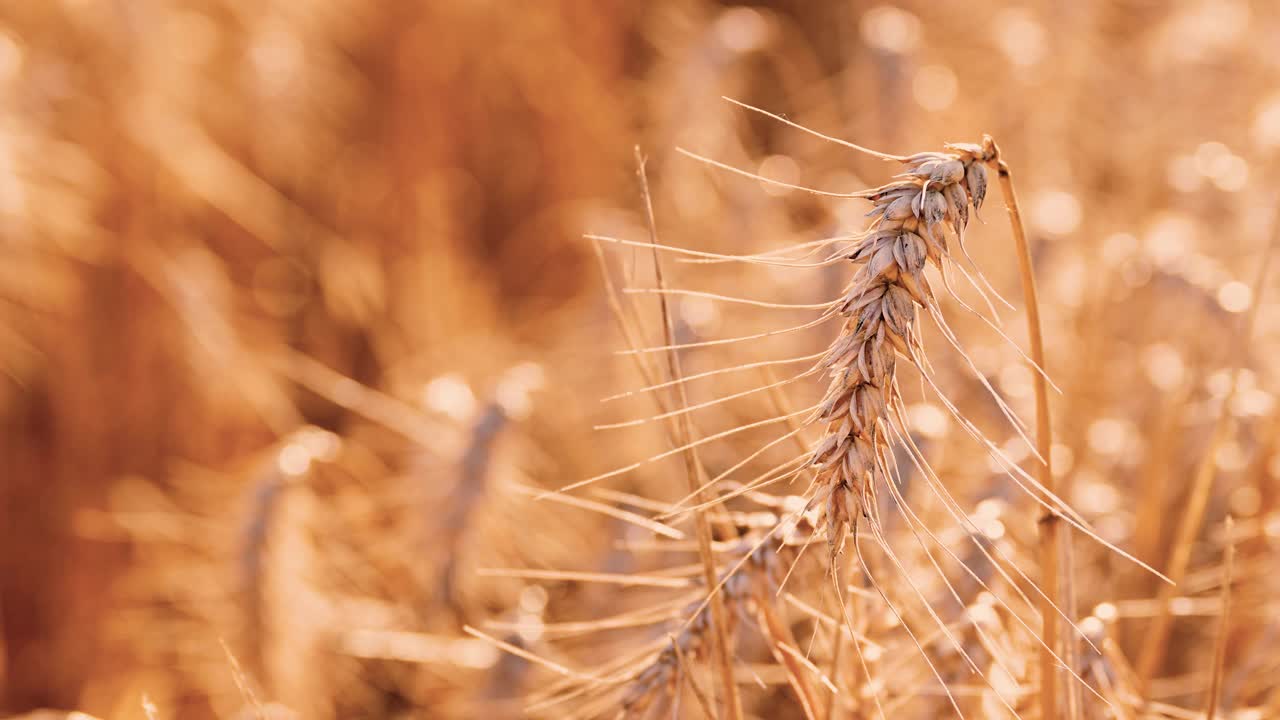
x=1050, y=530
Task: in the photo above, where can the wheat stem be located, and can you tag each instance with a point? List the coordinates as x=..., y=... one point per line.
x=1047, y=521
x=723, y=660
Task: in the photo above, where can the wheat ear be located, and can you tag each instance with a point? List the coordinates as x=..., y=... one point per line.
x=1198, y=501
x=880, y=310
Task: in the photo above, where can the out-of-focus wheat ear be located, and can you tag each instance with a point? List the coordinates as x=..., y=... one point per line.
x=721, y=652
x=276, y=558
x=1202, y=483
x=469, y=491
x=1224, y=622
x=1047, y=520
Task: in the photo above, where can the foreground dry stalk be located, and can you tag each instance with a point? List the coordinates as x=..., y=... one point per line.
x=723, y=657
x=1047, y=521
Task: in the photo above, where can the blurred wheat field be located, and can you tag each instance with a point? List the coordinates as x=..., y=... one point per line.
x=310, y=312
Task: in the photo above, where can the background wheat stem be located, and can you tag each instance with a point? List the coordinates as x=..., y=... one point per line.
x=1224, y=622
x=1198, y=501
x=723, y=658
x=1047, y=520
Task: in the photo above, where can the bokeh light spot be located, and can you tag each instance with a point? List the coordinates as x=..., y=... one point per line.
x=890, y=29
